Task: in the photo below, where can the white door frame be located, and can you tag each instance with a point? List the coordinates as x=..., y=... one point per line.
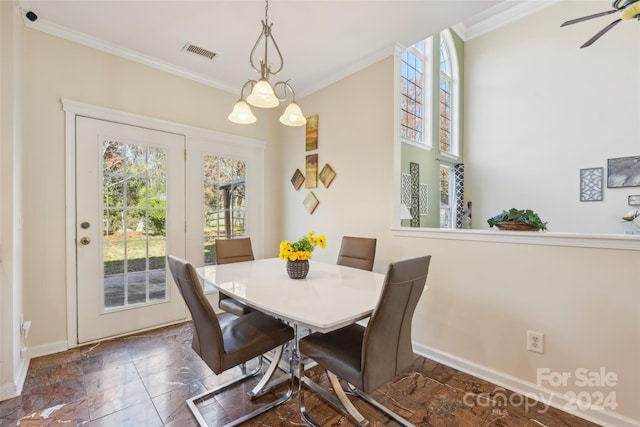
x=75, y=108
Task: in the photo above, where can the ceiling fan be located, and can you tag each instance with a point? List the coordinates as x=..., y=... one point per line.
x=629, y=9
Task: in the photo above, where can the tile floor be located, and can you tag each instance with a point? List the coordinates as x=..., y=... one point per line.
x=144, y=379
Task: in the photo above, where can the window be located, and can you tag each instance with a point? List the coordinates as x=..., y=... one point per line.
x=448, y=92
x=224, y=201
x=412, y=93
x=416, y=111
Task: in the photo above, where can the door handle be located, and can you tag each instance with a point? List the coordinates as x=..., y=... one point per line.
x=85, y=241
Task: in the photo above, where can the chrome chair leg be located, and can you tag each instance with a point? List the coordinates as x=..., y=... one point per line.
x=322, y=393
x=260, y=388
x=346, y=403
x=192, y=402
x=379, y=405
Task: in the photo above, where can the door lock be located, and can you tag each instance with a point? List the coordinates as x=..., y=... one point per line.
x=85, y=241
x=85, y=225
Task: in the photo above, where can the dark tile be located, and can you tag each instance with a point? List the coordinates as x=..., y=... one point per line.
x=145, y=379
x=172, y=406
x=119, y=375
x=55, y=394
x=10, y=411
x=117, y=398
x=142, y=414
x=52, y=375
x=74, y=413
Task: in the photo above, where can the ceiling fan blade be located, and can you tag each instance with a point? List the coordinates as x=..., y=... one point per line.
x=600, y=33
x=585, y=18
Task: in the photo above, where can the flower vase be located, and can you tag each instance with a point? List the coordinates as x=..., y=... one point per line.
x=298, y=269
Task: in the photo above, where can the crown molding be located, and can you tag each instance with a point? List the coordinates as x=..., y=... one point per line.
x=353, y=68
x=498, y=16
x=114, y=49
x=495, y=17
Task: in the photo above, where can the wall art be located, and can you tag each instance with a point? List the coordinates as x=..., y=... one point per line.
x=623, y=172
x=424, y=199
x=634, y=200
x=297, y=179
x=405, y=197
x=311, y=202
x=591, y=184
x=311, y=171
x=326, y=175
x=311, y=140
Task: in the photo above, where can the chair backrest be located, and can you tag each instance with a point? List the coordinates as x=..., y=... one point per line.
x=386, y=347
x=233, y=250
x=207, y=339
x=357, y=252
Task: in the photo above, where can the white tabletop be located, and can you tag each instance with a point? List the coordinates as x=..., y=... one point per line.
x=330, y=297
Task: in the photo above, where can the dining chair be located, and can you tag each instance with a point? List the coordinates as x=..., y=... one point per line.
x=357, y=252
x=227, y=251
x=368, y=357
x=237, y=342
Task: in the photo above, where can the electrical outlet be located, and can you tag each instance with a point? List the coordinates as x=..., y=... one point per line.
x=535, y=341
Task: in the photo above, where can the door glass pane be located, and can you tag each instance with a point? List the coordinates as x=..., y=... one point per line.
x=224, y=196
x=135, y=212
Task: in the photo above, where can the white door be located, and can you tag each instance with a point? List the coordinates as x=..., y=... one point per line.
x=130, y=214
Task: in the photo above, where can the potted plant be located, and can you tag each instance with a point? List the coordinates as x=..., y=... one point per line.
x=298, y=253
x=632, y=221
x=515, y=219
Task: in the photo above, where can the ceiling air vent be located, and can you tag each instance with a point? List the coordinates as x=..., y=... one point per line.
x=198, y=50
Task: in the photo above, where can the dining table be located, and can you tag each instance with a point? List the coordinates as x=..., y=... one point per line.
x=329, y=297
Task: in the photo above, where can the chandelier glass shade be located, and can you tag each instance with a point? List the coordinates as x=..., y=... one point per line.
x=242, y=113
x=293, y=116
x=263, y=94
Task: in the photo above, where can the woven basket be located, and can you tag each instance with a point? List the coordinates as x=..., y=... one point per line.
x=519, y=226
x=297, y=269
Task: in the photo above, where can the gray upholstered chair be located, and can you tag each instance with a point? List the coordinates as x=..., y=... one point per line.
x=368, y=357
x=222, y=348
x=227, y=251
x=357, y=252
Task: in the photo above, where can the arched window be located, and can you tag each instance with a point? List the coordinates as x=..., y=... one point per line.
x=448, y=110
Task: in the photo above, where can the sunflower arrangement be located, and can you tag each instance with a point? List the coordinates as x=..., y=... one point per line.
x=301, y=249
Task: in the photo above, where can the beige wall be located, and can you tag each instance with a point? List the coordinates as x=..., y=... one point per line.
x=482, y=296
x=55, y=69
x=13, y=364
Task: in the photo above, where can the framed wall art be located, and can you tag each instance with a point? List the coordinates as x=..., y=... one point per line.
x=312, y=133
x=297, y=179
x=634, y=200
x=311, y=202
x=326, y=175
x=623, y=172
x=591, y=184
x=311, y=171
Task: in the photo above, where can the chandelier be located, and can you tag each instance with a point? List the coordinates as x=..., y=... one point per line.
x=263, y=94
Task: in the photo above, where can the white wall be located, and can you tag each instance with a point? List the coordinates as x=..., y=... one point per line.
x=483, y=296
x=539, y=108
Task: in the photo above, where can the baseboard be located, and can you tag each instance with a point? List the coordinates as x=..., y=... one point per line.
x=46, y=349
x=9, y=390
x=605, y=418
